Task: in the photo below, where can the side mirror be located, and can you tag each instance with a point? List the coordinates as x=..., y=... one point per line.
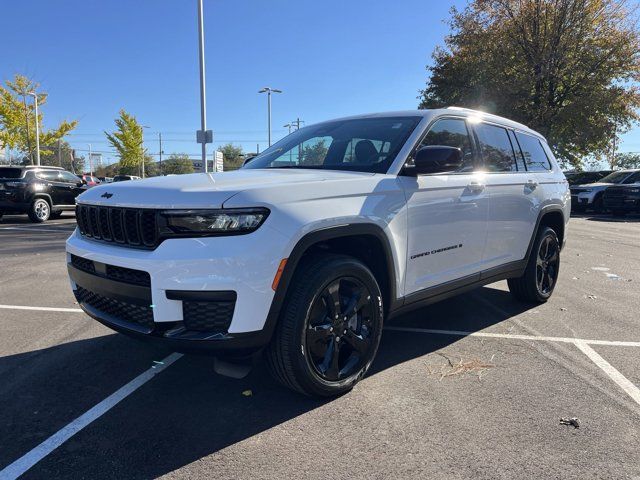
x=435, y=159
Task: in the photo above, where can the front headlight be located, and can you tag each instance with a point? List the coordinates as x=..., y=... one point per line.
x=212, y=222
x=587, y=190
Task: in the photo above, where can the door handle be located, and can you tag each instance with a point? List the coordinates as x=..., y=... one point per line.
x=476, y=187
x=531, y=185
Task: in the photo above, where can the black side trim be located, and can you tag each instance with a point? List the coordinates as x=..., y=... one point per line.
x=202, y=295
x=125, y=292
x=317, y=236
x=437, y=293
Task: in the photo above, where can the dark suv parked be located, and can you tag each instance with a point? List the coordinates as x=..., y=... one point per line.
x=40, y=192
x=622, y=199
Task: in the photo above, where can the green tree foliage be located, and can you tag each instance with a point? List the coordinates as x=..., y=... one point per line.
x=564, y=67
x=233, y=156
x=176, y=164
x=128, y=141
x=627, y=160
x=17, y=118
x=313, y=153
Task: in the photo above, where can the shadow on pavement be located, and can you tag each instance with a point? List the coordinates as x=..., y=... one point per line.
x=187, y=412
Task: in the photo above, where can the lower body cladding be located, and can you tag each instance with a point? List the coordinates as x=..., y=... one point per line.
x=194, y=295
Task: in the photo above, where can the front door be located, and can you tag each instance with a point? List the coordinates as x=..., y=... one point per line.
x=447, y=215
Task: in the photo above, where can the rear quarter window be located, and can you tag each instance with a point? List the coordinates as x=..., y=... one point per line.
x=10, y=172
x=535, y=158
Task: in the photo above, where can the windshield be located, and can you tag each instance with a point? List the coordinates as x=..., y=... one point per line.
x=615, y=177
x=362, y=145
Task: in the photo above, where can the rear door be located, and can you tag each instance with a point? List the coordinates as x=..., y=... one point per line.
x=52, y=185
x=515, y=184
x=447, y=214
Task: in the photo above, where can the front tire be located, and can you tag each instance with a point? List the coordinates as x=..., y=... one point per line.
x=541, y=275
x=40, y=210
x=330, y=328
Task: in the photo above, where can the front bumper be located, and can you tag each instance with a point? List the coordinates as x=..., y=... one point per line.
x=178, y=284
x=627, y=203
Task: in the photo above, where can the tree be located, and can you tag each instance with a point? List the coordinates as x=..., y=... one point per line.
x=17, y=118
x=62, y=155
x=313, y=154
x=627, y=160
x=128, y=141
x=176, y=164
x=233, y=156
x=563, y=67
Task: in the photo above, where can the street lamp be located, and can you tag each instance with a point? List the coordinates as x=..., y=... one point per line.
x=269, y=91
x=35, y=100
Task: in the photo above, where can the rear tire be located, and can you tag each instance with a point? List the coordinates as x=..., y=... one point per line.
x=330, y=327
x=537, y=283
x=40, y=210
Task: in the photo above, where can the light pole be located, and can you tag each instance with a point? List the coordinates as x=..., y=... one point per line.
x=35, y=101
x=203, y=93
x=269, y=91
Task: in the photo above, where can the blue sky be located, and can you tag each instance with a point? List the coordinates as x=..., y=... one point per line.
x=331, y=58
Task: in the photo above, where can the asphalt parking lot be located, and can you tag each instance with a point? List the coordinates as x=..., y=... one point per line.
x=474, y=386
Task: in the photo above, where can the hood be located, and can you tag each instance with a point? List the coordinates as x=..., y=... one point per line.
x=203, y=190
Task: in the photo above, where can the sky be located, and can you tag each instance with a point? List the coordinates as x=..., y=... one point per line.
x=331, y=58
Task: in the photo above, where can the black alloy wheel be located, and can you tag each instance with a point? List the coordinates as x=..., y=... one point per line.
x=330, y=326
x=340, y=328
x=541, y=273
x=547, y=264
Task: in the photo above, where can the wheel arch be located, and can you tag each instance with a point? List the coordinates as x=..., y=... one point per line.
x=549, y=216
x=364, y=241
x=44, y=196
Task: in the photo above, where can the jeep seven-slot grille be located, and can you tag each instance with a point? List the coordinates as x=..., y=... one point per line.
x=131, y=227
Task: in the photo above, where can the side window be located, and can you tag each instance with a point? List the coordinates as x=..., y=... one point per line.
x=452, y=132
x=516, y=148
x=635, y=178
x=497, y=151
x=68, y=177
x=534, y=155
x=49, y=175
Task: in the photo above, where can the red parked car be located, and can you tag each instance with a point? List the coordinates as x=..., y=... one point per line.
x=89, y=180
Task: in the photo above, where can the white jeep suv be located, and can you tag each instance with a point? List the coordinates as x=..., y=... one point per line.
x=304, y=252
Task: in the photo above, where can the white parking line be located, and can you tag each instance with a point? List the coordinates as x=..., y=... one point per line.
x=624, y=383
x=27, y=461
x=460, y=333
x=615, y=375
x=41, y=309
x=37, y=229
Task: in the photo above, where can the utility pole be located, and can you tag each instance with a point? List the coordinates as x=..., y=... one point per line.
x=289, y=125
x=35, y=102
x=59, y=151
x=90, y=162
x=269, y=91
x=160, y=151
x=297, y=123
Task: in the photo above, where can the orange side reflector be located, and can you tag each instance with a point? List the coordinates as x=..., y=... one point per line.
x=276, y=279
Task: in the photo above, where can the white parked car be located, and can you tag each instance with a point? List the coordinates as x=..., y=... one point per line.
x=306, y=251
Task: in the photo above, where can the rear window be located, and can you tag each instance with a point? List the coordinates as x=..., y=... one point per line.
x=10, y=172
x=534, y=155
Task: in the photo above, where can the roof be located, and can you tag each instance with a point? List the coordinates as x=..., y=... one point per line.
x=465, y=112
x=32, y=167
